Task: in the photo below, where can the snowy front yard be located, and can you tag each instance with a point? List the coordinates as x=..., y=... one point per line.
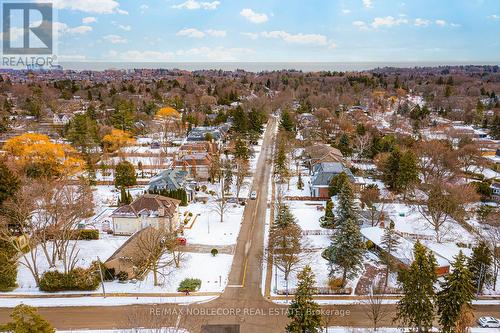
x=212, y=271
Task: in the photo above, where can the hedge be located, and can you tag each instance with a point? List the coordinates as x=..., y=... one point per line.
x=77, y=279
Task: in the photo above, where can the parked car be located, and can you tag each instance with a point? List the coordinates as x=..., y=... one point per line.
x=253, y=195
x=181, y=241
x=489, y=322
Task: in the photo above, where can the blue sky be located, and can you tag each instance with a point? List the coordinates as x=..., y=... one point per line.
x=272, y=30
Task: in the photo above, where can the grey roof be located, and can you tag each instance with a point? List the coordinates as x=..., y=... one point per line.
x=324, y=172
x=170, y=179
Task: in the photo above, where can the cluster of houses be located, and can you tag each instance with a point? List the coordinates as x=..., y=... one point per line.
x=191, y=164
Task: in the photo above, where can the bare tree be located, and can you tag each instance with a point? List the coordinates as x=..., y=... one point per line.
x=59, y=209
x=241, y=173
x=444, y=202
x=362, y=143
x=220, y=205
x=285, y=248
x=437, y=161
x=375, y=308
x=151, y=247
x=370, y=196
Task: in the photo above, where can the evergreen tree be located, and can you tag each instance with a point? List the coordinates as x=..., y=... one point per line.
x=400, y=171
x=124, y=197
x=416, y=308
x=228, y=176
x=389, y=242
x=256, y=119
x=345, y=254
x=240, y=120
x=344, y=145
x=125, y=174
x=241, y=150
x=456, y=293
x=281, y=164
x=8, y=266
x=287, y=122
x=480, y=266
x=25, y=319
x=9, y=182
x=284, y=217
x=346, y=209
x=328, y=221
x=337, y=183
x=304, y=313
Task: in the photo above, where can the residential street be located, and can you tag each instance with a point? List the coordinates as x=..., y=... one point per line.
x=241, y=303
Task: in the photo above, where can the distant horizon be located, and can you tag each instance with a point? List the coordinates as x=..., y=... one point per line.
x=267, y=66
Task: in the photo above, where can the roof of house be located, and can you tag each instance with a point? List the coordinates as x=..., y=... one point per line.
x=318, y=151
x=171, y=179
x=325, y=171
x=203, y=159
x=149, y=205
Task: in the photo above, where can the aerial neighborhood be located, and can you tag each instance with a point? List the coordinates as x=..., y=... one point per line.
x=189, y=184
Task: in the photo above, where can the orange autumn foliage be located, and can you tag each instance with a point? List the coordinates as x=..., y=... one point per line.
x=32, y=148
x=117, y=139
x=168, y=112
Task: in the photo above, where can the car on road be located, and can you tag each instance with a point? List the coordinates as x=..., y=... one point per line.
x=253, y=195
x=489, y=322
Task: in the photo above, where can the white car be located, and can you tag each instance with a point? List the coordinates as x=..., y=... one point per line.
x=253, y=195
x=489, y=322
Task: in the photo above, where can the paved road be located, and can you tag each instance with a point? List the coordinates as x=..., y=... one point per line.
x=241, y=303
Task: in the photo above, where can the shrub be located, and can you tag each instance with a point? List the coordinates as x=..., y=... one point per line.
x=214, y=252
x=189, y=285
x=77, y=279
x=369, y=245
x=335, y=283
x=190, y=214
x=87, y=234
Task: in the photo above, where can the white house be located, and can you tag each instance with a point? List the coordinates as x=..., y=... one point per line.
x=61, y=119
x=146, y=211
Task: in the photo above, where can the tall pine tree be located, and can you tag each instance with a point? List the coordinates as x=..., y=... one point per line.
x=480, y=266
x=416, y=308
x=389, y=242
x=456, y=294
x=304, y=313
x=345, y=254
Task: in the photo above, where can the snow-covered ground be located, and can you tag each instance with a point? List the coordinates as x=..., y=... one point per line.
x=101, y=301
x=206, y=227
x=212, y=271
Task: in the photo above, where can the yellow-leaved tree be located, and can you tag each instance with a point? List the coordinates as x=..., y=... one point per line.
x=117, y=139
x=38, y=156
x=167, y=112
